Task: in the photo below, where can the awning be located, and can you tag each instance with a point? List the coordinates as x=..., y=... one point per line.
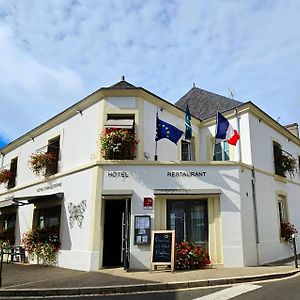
x=7, y=203
x=119, y=123
x=24, y=200
x=187, y=192
x=116, y=194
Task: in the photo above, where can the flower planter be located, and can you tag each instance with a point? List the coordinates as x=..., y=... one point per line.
x=40, y=162
x=5, y=175
x=118, y=144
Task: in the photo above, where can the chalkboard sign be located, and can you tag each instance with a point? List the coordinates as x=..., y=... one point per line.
x=162, y=248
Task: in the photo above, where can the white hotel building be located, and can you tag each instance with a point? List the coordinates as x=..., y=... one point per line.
x=231, y=201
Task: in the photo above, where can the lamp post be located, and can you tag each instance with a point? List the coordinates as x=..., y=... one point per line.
x=295, y=249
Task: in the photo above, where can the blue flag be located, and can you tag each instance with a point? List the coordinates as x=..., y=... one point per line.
x=165, y=130
x=188, y=127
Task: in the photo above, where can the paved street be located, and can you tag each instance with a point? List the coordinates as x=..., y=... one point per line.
x=279, y=289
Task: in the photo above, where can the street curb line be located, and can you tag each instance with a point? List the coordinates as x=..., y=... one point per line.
x=147, y=287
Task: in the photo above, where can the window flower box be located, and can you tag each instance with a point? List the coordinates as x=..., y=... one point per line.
x=118, y=143
x=5, y=175
x=289, y=164
x=40, y=162
x=287, y=230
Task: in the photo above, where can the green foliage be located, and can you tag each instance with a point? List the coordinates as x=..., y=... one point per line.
x=190, y=256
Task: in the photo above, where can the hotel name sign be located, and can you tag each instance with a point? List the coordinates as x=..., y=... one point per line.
x=187, y=174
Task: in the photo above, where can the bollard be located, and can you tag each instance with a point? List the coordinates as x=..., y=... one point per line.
x=295, y=250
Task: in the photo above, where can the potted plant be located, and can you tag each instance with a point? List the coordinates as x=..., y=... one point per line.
x=118, y=143
x=191, y=256
x=287, y=230
x=43, y=243
x=39, y=162
x=5, y=175
x=289, y=164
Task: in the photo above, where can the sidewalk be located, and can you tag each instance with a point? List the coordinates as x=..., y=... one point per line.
x=36, y=280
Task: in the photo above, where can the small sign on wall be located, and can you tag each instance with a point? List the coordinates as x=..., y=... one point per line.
x=148, y=203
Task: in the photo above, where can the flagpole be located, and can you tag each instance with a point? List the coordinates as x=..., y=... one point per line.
x=155, y=153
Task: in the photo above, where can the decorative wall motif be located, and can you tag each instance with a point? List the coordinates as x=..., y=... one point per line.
x=77, y=213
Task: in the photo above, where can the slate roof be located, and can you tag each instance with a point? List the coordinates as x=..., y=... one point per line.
x=122, y=85
x=204, y=104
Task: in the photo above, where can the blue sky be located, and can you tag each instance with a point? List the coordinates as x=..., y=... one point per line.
x=53, y=53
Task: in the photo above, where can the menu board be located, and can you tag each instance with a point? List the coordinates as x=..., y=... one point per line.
x=142, y=229
x=163, y=248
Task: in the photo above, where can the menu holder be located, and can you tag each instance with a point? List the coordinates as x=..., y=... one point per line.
x=142, y=228
x=162, y=249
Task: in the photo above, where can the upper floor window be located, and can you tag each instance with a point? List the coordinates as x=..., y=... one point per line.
x=221, y=151
x=13, y=173
x=277, y=152
x=118, y=137
x=187, y=150
x=53, y=148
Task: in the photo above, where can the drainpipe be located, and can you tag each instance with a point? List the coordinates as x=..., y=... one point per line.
x=255, y=214
x=2, y=160
x=239, y=131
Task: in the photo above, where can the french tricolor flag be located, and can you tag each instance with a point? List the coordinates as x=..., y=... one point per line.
x=225, y=132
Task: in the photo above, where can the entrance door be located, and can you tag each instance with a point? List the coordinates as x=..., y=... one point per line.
x=116, y=233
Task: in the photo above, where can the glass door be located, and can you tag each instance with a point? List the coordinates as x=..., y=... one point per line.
x=189, y=220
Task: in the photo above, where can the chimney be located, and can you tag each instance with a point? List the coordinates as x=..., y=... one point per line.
x=293, y=128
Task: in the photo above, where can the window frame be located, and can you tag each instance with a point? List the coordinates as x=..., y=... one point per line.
x=45, y=212
x=53, y=147
x=224, y=145
x=13, y=171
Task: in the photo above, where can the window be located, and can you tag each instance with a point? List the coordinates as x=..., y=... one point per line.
x=277, y=152
x=49, y=217
x=282, y=208
x=118, y=138
x=221, y=151
x=13, y=171
x=8, y=222
x=53, y=147
x=186, y=150
x=189, y=220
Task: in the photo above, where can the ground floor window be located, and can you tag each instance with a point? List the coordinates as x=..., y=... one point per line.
x=189, y=220
x=7, y=230
x=49, y=217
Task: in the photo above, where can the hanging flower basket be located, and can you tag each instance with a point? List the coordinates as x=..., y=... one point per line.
x=5, y=175
x=118, y=143
x=289, y=164
x=39, y=162
x=287, y=230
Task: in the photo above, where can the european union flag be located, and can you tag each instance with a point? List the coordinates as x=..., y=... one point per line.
x=166, y=130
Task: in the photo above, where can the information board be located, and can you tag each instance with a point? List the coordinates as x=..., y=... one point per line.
x=142, y=228
x=162, y=248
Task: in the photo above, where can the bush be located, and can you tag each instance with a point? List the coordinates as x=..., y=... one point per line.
x=190, y=256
